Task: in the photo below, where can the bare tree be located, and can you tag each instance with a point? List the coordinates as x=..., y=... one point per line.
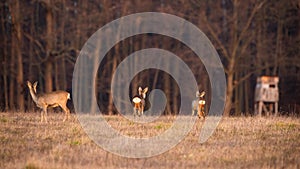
x=5, y=60
x=16, y=46
x=240, y=36
x=49, y=46
x=41, y=40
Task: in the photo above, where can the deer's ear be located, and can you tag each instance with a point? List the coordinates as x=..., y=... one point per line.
x=145, y=90
x=28, y=83
x=34, y=86
x=202, y=94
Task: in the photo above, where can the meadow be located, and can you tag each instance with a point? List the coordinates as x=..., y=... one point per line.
x=238, y=142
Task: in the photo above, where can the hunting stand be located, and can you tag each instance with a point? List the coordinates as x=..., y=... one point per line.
x=266, y=95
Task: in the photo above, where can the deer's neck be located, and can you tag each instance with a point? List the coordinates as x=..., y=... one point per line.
x=33, y=95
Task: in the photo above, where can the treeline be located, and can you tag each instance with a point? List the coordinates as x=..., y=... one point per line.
x=41, y=39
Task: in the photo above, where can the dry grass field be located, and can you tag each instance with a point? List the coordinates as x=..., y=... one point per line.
x=238, y=142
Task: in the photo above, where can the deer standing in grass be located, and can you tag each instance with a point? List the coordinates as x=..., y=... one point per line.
x=139, y=102
x=52, y=99
x=198, y=105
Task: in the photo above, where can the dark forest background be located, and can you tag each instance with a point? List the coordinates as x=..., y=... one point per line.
x=41, y=39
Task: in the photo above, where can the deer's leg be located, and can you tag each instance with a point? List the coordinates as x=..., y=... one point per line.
x=45, y=115
x=67, y=112
x=202, y=111
x=200, y=114
x=139, y=112
x=198, y=111
x=66, y=115
x=142, y=110
x=193, y=111
x=136, y=109
x=42, y=116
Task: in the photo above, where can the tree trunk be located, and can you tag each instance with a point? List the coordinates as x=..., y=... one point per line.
x=5, y=61
x=167, y=89
x=16, y=46
x=229, y=94
x=278, y=47
x=48, y=77
x=49, y=47
x=110, y=103
x=247, y=89
x=30, y=62
x=12, y=82
x=63, y=65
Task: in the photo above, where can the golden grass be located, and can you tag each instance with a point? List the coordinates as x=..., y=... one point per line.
x=238, y=142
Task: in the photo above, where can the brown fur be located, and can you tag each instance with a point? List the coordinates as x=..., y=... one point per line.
x=52, y=99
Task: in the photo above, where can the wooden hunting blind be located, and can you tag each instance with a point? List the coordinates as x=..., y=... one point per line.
x=266, y=95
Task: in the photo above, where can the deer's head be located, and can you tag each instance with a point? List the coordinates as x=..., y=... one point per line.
x=142, y=92
x=200, y=95
x=32, y=86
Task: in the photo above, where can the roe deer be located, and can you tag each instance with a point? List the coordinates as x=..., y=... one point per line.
x=198, y=105
x=52, y=99
x=139, y=102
